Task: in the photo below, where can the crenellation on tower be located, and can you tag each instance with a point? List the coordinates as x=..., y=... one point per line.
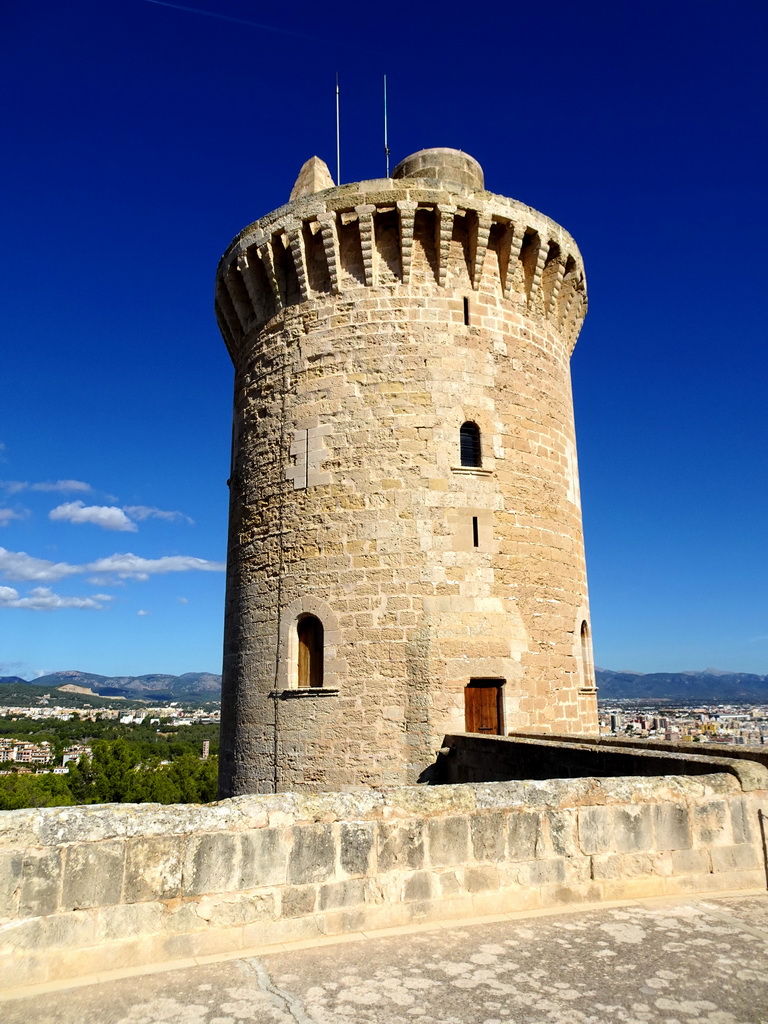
x=527, y=247
x=371, y=326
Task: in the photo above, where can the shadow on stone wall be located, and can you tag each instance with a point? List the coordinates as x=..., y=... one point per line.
x=472, y=757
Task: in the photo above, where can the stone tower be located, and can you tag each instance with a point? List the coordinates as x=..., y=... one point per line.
x=405, y=543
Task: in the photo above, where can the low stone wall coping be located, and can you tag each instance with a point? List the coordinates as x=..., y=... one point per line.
x=127, y=885
x=54, y=826
x=751, y=774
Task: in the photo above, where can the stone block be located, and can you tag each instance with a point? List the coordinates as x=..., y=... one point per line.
x=690, y=862
x=93, y=875
x=418, y=886
x=264, y=857
x=702, y=883
x=740, y=823
x=634, y=888
x=400, y=845
x=632, y=828
x=335, y=895
x=297, y=900
x=356, y=842
x=448, y=840
x=563, y=832
x=313, y=856
x=211, y=864
x=287, y=929
x=734, y=858
x=624, y=865
x=26, y=935
x=448, y=884
x=27, y=970
x=41, y=882
x=523, y=831
x=179, y=947
x=581, y=892
x=671, y=827
x=153, y=867
x=342, y=922
x=596, y=829
x=126, y=921
x=11, y=867
x=578, y=870
x=228, y=910
x=711, y=824
x=506, y=901
x=547, y=872
x=489, y=836
x=481, y=878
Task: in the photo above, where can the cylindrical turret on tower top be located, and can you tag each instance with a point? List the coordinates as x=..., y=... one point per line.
x=405, y=545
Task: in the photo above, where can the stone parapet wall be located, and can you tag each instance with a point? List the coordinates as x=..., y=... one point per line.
x=471, y=757
x=90, y=889
x=746, y=752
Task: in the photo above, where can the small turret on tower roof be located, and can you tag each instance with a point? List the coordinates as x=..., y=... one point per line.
x=452, y=165
x=313, y=177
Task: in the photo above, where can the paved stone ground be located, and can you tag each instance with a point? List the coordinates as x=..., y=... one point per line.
x=655, y=962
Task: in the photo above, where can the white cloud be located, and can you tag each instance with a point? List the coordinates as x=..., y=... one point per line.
x=18, y=565
x=107, y=516
x=132, y=566
x=44, y=599
x=142, y=611
x=183, y=600
x=14, y=486
x=7, y=514
x=141, y=512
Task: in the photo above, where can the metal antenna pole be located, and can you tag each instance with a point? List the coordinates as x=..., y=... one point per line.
x=386, y=137
x=338, y=149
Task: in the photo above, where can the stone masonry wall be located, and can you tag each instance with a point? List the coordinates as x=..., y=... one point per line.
x=85, y=890
x=367, y=323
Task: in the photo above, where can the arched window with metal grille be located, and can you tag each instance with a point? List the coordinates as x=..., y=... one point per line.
x=469, y=445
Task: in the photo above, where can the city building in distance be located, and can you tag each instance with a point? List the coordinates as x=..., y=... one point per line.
x=405, y=551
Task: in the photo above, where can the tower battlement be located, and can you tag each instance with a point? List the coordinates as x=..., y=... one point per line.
x=409, y=230
x=405, y=546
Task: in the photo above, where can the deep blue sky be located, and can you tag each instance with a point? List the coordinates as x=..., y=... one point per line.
x=139, y=138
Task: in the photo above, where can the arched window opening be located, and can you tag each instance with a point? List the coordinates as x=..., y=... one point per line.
x=310, y=631
x=586, y=656
x=469, y=445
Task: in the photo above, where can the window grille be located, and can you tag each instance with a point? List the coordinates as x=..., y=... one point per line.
x=469, y=445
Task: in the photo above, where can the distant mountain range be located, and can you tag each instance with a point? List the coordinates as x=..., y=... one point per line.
x=712, y=685
x=74, y=688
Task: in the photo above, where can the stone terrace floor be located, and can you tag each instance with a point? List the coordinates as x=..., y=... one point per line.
x=646, y=962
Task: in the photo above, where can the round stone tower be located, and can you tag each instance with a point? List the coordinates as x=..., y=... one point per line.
x=405, y=543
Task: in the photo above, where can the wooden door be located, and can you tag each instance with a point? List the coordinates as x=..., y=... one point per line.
x=482, y=706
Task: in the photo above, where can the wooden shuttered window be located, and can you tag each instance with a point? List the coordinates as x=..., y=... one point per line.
x=310, y=630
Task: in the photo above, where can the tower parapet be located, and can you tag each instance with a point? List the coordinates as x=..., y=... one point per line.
x=405, y=551
x=327, y=243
